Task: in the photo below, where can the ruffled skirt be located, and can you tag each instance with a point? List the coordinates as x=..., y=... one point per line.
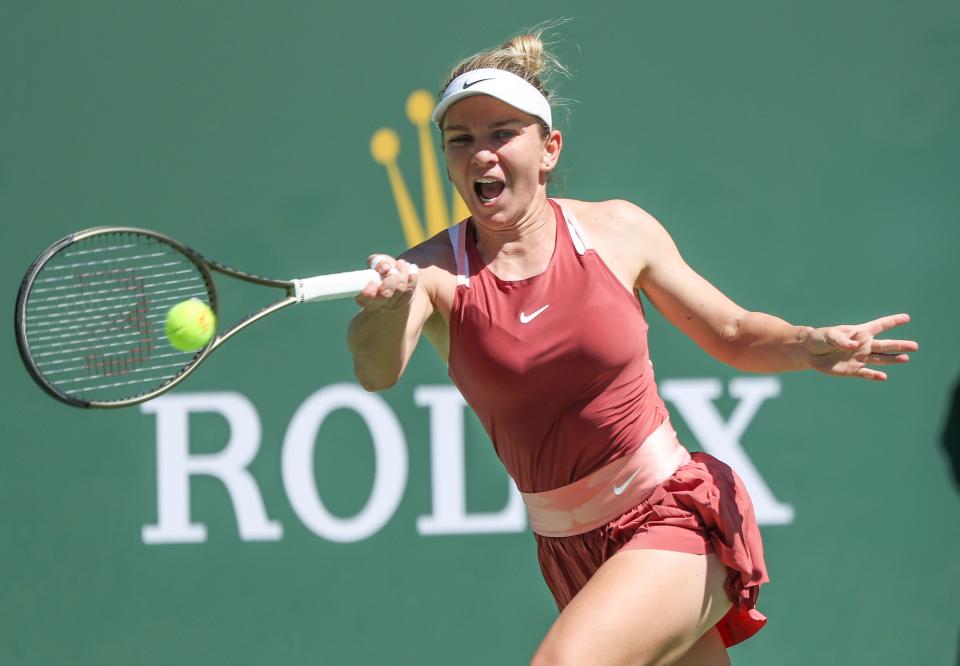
x=703, y=508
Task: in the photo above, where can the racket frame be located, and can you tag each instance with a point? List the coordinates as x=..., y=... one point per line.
x=203, y=265
x=322, y=287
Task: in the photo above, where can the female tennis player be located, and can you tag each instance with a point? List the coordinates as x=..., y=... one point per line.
x=652, y=553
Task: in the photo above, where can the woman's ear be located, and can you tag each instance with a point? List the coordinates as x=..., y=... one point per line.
x=551, y=150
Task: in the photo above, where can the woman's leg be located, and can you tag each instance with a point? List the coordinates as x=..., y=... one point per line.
x=641, y=607
x=708, y=651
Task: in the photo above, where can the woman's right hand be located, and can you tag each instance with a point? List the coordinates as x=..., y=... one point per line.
x=383, y=335
x=398, y=282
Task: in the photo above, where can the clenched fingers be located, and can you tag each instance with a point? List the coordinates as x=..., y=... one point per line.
x=398, y=281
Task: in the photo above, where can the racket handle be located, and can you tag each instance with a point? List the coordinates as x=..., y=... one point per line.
x=335, y=285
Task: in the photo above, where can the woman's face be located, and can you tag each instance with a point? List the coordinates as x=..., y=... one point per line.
x=497, y=158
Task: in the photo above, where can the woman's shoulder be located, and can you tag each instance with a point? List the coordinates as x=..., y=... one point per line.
x=434, y=255
x=625, y=236
x=615, y=218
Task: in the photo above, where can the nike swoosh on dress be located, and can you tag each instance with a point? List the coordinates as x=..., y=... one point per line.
x=527, y=318
x=618, y=490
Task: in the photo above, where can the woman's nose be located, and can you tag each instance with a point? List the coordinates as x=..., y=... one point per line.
x=484, y=157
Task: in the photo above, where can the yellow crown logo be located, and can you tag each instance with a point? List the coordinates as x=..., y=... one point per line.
x=385, y=147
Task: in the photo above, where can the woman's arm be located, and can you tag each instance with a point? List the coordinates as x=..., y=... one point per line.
x=751, y=341
x=383, y=335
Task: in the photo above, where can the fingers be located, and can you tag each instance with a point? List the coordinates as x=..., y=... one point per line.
x=893, y=346
x=401, y=277
x=872, y=375
x=837, y=336
x=398, y=280
x=880, y=359
x=856, y=347
x=882, y=324
x=887, y=359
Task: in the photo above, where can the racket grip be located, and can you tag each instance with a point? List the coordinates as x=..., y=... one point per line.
x=335, y=285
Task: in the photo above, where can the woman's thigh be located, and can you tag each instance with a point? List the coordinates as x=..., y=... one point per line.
x=640, y=607
x=708, y=651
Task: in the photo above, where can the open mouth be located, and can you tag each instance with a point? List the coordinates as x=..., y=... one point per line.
x=488, y=189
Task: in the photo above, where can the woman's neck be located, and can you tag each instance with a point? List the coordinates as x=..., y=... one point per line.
x=522, y=249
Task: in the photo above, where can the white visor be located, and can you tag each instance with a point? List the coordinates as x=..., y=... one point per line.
x=499, y=83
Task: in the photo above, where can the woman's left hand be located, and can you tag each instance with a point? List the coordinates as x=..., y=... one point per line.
x=847, y=350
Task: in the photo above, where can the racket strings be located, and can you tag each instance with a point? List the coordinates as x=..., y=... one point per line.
x=95, y=315
x=60, y=314
x=110, y=283
x=69, y=338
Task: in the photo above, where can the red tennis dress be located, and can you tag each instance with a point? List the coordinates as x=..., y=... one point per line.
x=557, y=369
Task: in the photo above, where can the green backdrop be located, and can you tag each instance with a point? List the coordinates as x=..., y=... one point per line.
x=803, y=155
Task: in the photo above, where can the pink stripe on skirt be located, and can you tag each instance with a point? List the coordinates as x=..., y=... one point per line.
x=601, y=496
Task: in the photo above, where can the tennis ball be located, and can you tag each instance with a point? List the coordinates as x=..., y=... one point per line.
x=190, y=324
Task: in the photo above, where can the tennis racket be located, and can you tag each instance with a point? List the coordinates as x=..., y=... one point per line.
x=91, y=313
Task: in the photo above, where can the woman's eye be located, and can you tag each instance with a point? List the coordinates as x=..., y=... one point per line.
x=503, y=135
x=460, y=139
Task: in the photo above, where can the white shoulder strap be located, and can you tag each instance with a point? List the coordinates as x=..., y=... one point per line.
x=458, y=239
x=580, y=240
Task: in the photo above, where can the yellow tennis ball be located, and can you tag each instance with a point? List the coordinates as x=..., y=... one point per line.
x=190, y=324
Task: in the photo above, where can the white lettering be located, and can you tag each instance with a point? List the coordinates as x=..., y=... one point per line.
x=175, y=465
x=447, y=473
x=390, y=465
x=694, y=400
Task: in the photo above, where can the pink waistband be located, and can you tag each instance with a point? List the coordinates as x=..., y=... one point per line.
x=611, y=491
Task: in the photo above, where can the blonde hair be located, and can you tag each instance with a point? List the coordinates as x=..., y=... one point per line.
x=525, y=55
